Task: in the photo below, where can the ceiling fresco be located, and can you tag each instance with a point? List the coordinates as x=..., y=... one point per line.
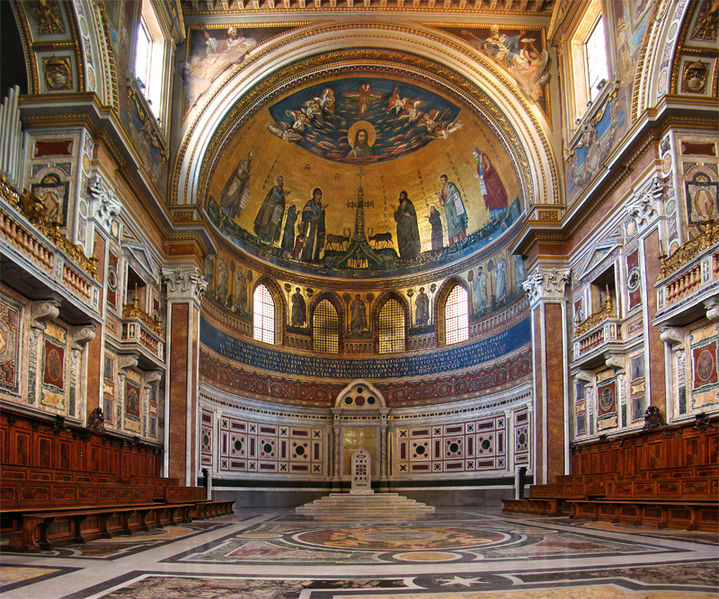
x=363, y=176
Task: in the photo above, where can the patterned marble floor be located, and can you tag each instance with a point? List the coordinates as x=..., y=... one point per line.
x=456, y=554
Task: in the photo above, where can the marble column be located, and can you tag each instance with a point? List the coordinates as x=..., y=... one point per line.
x=80, y=336
x=335, y=451
x=383, y=453
x=547, y=288
x=185, y=288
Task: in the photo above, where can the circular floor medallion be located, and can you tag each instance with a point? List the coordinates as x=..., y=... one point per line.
x=400, y=538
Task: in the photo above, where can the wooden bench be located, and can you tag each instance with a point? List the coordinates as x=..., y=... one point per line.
x=543, y=506
x=692, y=515
x=210, y=508
x=32, y=531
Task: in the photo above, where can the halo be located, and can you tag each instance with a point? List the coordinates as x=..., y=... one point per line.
x=367, y=126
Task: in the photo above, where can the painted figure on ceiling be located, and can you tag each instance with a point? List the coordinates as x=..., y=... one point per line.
x=454, y=211
x=490, y=186
x=237, y=190
x=360, y=147
x=407, y=230
x=422, y=304
x=435, y=221
x=288, y=235
x=269, y=217
x=299, y=309
x=313, y=227
x=358, y=315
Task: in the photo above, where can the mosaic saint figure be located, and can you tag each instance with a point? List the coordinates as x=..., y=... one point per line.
x=435, y=221
x=358, y=315
x=269, y=217
x=520, y=274
x=236, y=191
x=222, y=281
x=299, y=309
x=313, y=227
x=288, y=236
x=361, y=147
x=407, y=230
x=422, y=304
x=490, y=185
x=240, y=299
x=454, y=211
x=501, y=279
x=479, y=290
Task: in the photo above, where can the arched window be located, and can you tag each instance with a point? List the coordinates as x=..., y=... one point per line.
x=456, y=315
x=325, y=328
x=391, y=328
x=264, y=315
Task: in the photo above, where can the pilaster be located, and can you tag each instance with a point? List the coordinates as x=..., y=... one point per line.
x=185, y=288
x=547, y=289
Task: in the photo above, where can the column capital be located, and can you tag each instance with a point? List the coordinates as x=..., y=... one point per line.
x=545, y=284
x=643, y=206
x=185, y=284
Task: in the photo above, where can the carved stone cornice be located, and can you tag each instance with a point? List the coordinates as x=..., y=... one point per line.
x=153, y=377
x=615, y=361
x=671, y=335
x=712, y=309
x=104, y=206
x=45, y=310
x=127, y=362
x=185, y=284
x=547, y=285
x=643, y=206
x=82, y=335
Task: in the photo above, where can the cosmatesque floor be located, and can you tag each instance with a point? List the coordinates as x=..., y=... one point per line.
x=459, y=553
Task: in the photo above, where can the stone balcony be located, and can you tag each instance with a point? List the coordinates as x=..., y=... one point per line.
x=689, y=280
x=39, y=260
x=596, y=338
x=142, y=337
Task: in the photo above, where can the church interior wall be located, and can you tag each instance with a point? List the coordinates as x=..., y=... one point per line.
x=620, y=194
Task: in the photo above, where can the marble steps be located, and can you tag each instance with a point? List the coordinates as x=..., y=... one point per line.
x=374, y=506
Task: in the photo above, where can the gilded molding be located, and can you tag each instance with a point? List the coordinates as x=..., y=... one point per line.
x=594, y=319
x=689, y=250
x=133, y=310
x=33, y=209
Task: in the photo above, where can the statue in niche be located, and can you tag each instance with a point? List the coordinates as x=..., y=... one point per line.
x=422, y=304
x=299, y=309
x=358, y=315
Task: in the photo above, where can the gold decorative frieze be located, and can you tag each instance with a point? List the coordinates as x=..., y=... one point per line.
x=133, y=310
x=33, y=209
x=690, y=250
x=593, y=320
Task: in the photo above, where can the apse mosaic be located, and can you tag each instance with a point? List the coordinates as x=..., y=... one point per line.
x=364, y=176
